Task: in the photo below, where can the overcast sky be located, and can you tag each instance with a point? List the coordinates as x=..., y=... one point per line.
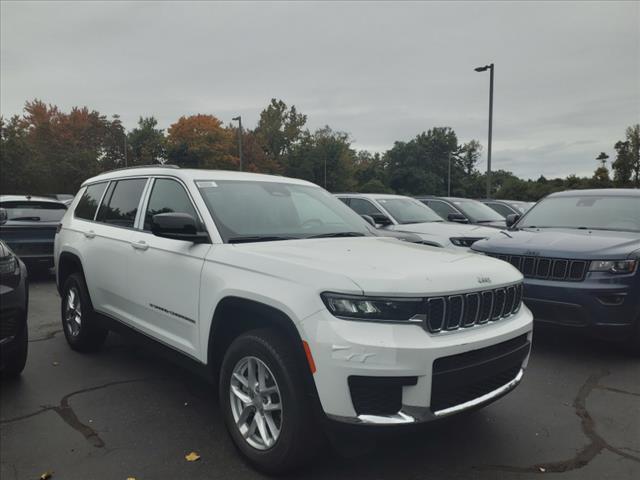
x=567, y=79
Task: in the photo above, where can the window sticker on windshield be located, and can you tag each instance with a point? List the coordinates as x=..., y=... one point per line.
x=206, y=184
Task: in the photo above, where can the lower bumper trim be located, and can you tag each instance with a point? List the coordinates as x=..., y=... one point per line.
x=410, y=415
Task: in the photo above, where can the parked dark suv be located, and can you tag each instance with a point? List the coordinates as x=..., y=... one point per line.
x=579, y=253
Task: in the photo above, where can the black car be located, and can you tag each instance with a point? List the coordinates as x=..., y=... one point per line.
x=28, y=225
x=508, y=207
x=579, y=252
x=14, y=300
x=464, y=210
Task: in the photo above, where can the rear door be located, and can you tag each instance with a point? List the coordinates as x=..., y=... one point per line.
x=108, y=247
x=164, y=274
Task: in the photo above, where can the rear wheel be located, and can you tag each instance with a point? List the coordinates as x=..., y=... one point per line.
x=78, y=318
x=263, y=402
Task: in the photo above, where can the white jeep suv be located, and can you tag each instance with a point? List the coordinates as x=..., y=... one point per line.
x=281, y=293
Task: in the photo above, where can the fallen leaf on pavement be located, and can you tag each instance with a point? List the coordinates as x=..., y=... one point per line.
x=192, y=457
x=46, y=475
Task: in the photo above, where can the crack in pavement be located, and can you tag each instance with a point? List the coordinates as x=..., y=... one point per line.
x=617, y=390
x=48, y=336
x=68, y=415
x=585, y=454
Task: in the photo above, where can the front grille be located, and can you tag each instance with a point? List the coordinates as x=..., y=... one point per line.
x=9, y=322
x=465, y=310
x=547, y=268
x=463, y=377
x=378, y=395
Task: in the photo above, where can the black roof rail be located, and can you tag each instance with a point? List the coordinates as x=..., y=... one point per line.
x=156, y=165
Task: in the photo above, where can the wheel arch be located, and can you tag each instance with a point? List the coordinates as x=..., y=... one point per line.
x=236, y=315
x=68, y=263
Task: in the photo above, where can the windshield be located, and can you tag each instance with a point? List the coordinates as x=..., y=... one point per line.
x=407, y=210
x=601, y=213
x=478, y=212
x=258, y=211
x=34, y=211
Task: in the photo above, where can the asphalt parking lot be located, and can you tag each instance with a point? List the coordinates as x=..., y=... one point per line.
x=126, y=413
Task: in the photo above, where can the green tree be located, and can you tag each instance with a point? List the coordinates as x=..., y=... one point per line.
x=623, y=164
x=469, y=156
x=279, y=129
x=146, y=143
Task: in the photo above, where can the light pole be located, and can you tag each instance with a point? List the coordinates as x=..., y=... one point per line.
x=449, y=178
x=489, y=67
x=239, y=120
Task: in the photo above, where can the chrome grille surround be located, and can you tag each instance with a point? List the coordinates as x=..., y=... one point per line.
x=455, y=312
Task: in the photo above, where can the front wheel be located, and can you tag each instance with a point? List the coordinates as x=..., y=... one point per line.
x=16, y=359
x=78, y=318
x=264, y=404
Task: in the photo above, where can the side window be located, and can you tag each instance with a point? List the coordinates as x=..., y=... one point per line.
x=88, y=203
x=363, y=207
x=441, y=208
x=121, y=203
x=501, y=209
x=344, y=200
x=167, y=196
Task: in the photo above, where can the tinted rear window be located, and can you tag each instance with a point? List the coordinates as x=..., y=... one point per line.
x=121, y=203
x=33, y=211
x=88, y=203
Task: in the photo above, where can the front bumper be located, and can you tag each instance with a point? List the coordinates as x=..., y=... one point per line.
x=345, y=350
x=600, y=304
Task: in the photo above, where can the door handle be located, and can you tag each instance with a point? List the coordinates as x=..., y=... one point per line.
x=90, y=234
x=141, y=245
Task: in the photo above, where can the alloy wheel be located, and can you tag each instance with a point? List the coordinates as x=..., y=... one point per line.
x=256, y=403
x=73, y=312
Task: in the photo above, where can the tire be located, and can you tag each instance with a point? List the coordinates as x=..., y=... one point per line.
x=297, y=438
x=14, y=362
x=81, y=330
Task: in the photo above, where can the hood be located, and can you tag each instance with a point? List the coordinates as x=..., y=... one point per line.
x=565, y=243
x=447, y=230
x=371, y=265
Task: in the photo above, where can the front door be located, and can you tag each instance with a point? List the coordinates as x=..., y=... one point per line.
x=164, y=274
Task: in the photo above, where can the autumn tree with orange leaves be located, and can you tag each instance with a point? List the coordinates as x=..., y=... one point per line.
x=201, y=141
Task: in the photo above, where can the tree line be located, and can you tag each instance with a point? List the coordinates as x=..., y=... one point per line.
x=45, y=150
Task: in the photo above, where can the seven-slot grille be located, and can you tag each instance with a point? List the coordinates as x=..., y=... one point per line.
x=475, y=308
x=547, y=268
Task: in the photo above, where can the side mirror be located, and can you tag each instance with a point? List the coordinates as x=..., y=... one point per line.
x=512, y=219
x=457, y=217
x=3, y=216
x=381, y=219
x=369, y=220
x=177, y=226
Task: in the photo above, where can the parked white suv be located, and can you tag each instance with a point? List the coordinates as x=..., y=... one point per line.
x=279, y=291
x=405, y=214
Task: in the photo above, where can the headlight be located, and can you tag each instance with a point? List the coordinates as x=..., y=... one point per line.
x=8, y=265
x=464, y=241
x=376, y=309
x=613, y=266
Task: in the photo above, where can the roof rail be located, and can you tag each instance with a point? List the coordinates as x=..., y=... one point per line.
x=155, y=165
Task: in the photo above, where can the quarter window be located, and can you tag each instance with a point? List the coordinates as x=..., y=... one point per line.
x=89, y=201
x=121, y=203
x=167, y=196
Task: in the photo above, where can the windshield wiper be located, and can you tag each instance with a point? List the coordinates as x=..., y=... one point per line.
x=259, y=238
x=337, y=234
x=26, y=219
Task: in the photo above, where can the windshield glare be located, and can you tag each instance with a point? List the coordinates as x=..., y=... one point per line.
x=34, y=211
x=478, y=212
x=407, y=210
x=271, y=209
x=603, y=213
